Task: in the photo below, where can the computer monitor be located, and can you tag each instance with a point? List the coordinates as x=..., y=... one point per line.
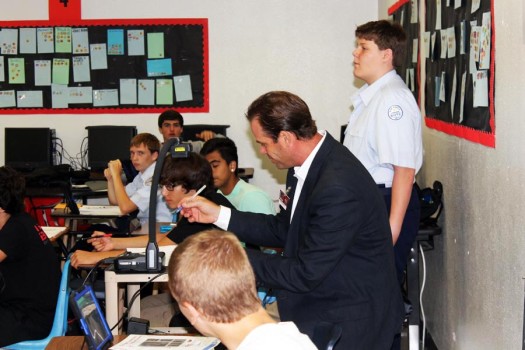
x=108, y=142
x=27, y=149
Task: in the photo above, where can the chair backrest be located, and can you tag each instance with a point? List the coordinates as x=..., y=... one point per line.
x=60, y=322
x=326, y=335
x=40, y=209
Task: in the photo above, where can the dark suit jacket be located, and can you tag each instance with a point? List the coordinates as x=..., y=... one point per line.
x=338, y=263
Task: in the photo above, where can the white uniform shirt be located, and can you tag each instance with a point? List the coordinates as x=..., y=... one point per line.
x=276, y=336
x=138, y=192
x=385, y=128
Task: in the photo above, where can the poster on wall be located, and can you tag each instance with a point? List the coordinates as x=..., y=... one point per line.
x=70, y=65
x=457, y=45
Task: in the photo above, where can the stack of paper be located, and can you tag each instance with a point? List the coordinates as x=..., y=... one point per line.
x=155, y=342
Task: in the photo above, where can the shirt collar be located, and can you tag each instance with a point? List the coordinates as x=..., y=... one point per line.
x=302, y=171
x=147, y=175
x=367, y=92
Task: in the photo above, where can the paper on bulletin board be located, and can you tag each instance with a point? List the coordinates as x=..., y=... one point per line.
x=80, y=41
x=63, y=39
x=128, y=91
x=99, y=59
x=45, y=40
x=115, y=41
x=105, y=97
x=29, y=99
x=155, y=45
x=27, y=40
x=42, y=72
x=146, y=91
x=136, y=42
x=164, y=89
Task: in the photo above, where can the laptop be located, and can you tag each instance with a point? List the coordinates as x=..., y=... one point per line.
x=91, y=319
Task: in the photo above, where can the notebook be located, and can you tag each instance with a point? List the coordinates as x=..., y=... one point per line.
x=91, y=319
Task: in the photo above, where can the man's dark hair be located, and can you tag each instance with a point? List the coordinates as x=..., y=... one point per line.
x=191, y=173
x=12, y=190
x=386, y=35
x=170, y=114
x=226, y=148
x=282, y=111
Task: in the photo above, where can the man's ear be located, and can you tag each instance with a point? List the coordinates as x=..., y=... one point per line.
x=287, y=137
x=193, y=313
x=232, y=165
x=155, y=156
x=388, y=56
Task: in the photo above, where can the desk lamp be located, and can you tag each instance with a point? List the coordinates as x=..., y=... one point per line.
x=175, y=148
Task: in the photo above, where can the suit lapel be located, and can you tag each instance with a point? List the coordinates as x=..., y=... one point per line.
x=309, y=184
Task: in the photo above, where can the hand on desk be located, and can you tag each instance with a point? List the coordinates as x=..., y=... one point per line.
x=82, y=257
x=101, y=242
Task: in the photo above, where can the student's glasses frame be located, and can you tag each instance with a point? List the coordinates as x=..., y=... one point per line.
x=169, y=186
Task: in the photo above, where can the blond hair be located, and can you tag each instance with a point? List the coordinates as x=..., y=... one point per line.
x=210, y=270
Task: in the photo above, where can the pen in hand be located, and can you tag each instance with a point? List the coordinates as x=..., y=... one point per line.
x=179, y=208
x=90, y=237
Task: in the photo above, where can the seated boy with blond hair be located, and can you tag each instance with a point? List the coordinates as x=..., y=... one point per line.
x=213, y=282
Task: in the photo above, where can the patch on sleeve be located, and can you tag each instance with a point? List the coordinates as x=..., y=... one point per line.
x=395, y=112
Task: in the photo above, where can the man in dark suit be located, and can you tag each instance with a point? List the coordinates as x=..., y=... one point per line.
x=338, y=264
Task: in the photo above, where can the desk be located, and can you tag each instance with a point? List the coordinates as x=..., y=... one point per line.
x=425, y=240
x=54, y=233
x=71, y=219
x=114, y=294
x=75, y=342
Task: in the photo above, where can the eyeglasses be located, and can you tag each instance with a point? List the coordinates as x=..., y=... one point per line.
x=169, y=186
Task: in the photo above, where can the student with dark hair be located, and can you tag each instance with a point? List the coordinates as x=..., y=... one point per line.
x=338, y=264
x=29, y=268
x=181, y=177
x=171, y=124
x=221, y=153
x=211, y=278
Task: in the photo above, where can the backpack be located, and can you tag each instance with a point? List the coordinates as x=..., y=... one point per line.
x=431, y=203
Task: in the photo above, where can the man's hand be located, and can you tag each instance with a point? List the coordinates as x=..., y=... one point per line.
x=205, y=135
x=100, y=242
x=81, y=257
x=107, y=174
x=115, y=168
x=199, y=209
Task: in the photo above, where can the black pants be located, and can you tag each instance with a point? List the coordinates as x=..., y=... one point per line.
x=408, y=232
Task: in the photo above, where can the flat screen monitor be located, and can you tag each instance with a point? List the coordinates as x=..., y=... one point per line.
x=108, y=142
x=27, y=149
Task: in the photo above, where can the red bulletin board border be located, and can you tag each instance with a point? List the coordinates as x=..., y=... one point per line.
x=118, y=22
x=482, y=137
x=396, y=6
x=485, y=138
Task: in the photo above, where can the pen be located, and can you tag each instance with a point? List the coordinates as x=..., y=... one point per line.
x=179, y=208
x=104, y=235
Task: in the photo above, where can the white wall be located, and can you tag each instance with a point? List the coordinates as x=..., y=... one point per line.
x=304, y=46
x=475, y=289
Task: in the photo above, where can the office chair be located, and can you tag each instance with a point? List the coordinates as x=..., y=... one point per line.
x=326, y=335
x=59, y=323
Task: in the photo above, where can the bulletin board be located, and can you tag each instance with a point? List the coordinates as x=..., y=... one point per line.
x=458, y=48
x=406, y=14
x=104, y=66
